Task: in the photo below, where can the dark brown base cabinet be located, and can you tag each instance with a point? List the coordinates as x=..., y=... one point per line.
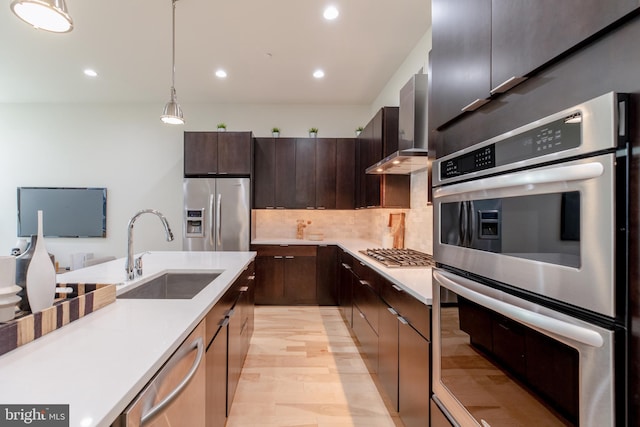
x=296, y=274
x=414, y=379
x=393, y=330
x=229, y=326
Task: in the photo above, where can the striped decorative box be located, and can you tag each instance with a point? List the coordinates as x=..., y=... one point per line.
x=85, y=298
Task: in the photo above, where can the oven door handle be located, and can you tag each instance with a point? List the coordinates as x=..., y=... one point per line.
x=552, y=175
x=535, y=320
x=462, y=224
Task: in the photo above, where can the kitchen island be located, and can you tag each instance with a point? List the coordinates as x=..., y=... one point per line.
x=99, y=363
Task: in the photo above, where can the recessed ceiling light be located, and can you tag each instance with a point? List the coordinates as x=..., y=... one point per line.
x=331, y=13
x=91, y=73
x=318, y=74
x=221, y=73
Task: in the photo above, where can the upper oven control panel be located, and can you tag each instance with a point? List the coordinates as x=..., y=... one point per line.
x=595, y=125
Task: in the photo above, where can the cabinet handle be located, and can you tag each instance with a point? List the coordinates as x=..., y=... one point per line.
x=364, y=282
x=289, y=257
x=507, y=84
x=362, y=264
x=277, y=257
x=280, y=207
x=361, y=315
x=222, y=173
x=224, y=322
x=403, y=320
x=475, y=105
x=244, y=289
x=251, y=277
x=230, y=312
x=269, y=207
x=348, y=267
x=392, y=311
x=397, y=288
x=284, y=246
x=320, y=207
x=156, y=410
x=311, y=207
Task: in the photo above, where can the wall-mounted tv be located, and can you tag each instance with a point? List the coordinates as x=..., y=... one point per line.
x=66, y=212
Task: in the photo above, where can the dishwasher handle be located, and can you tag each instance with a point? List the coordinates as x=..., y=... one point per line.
x=157, y=410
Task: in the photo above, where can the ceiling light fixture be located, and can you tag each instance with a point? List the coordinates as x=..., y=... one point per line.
x=48, y=15
x=90, y=73
x=221, y=73
x=331, y=13
x=318, y=74
x=172, y=113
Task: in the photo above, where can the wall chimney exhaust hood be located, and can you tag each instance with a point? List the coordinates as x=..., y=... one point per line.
x=412, y=154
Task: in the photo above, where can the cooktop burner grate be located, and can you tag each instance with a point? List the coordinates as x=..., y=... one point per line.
x=395, y=258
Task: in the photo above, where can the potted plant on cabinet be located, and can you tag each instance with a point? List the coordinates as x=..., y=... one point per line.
x=275, y=132
x=222, y=127
x=313, y=132
x=359, y=130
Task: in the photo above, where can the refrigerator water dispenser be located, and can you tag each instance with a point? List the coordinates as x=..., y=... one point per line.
x=195, y=223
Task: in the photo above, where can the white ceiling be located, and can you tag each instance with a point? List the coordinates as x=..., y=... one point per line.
x=269, y=49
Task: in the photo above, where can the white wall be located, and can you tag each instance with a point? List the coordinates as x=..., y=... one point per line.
x=416, y=60
x=129, y=151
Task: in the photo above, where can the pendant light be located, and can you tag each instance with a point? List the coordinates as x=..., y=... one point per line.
x=172, y=113
x=49, y=15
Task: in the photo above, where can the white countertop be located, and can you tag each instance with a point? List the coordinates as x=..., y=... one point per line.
x=100, y=362
x=415, y=281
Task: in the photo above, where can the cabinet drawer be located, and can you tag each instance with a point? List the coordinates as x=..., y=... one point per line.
x=368, y=340
x=368, y=303
x=414, y=311
x=285, y=250
x=367, y=274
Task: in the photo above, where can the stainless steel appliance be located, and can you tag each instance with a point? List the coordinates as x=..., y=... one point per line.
x=530, y=236
x=176, y=394
x=395, y=258
x=217, y=214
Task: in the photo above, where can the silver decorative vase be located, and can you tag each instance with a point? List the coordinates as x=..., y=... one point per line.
x=41, y=275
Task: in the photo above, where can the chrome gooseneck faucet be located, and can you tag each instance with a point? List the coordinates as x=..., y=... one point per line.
x=129, y=265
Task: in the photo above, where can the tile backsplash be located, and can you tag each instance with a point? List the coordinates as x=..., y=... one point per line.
x=369, y=224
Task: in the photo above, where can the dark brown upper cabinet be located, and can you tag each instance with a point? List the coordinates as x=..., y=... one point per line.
x=482, y=48
x=326, y=173
x=527, y=35
x=304, y=173
x=378, y=137
x=345, y=173
x=264, y=173
x=217, y=153
x=461, y=57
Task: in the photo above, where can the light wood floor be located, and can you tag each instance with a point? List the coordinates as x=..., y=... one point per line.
x=304, y=370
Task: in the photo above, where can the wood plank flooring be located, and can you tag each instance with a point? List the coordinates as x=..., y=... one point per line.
x=304, y=370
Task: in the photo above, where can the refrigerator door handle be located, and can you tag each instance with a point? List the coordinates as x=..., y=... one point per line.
x=218, y=223
x=211, y=242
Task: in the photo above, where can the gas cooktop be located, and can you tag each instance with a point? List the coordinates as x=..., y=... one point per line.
x=395, y=258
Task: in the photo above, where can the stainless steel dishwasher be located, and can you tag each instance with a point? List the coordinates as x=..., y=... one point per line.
x=176, y=394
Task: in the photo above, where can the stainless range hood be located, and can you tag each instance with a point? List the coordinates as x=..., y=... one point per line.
x=412, y=154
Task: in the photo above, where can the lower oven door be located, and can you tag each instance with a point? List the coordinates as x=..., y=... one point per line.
x=501, y=361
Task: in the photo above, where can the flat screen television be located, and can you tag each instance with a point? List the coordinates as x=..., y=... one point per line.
x=66, y=212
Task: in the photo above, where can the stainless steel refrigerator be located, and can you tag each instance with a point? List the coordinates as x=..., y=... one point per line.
x=217, y=214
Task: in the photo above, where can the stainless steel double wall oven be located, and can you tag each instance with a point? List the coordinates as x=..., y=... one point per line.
x=530, y=236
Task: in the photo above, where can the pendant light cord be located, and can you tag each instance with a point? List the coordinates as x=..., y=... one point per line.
x=173, y=51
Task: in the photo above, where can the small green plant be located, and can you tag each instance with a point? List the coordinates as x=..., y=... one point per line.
x=222, y=126
x=313, y=130
x=275, y=130
x=359, y=129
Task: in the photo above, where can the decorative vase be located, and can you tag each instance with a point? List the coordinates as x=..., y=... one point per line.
x=41, y=275
x=358, y=132
x=313, y=134
x=222, y=129
x=275, y=134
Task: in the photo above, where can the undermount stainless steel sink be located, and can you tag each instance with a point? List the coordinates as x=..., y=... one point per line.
x=172, y=286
